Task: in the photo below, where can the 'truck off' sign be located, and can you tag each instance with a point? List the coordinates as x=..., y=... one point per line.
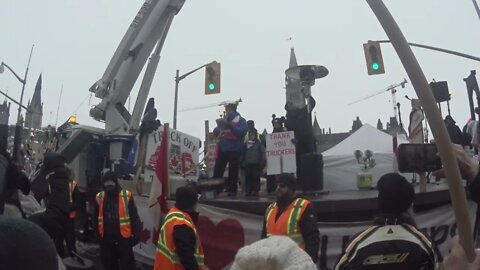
x=281, y=153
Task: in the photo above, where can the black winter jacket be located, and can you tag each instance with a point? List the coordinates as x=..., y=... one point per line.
x=111, y=221
x=185, y=241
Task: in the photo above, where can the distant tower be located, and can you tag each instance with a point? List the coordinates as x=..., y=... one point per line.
x=33, y=117
x=356, y=124
x=379, y=125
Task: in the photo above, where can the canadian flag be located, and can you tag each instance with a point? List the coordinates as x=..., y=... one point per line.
x=159, y=190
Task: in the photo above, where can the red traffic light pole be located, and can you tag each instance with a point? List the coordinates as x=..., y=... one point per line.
x=444, y=145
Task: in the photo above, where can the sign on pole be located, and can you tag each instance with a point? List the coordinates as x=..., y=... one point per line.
x=281, y=156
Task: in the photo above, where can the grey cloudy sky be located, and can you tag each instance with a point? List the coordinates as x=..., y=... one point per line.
x=75, y=39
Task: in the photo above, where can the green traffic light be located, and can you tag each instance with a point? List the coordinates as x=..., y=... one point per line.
x=211, y=86
x=375, y=66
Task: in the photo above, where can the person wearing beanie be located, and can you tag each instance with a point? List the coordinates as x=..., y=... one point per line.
x=24, y=245
x=455, y=133
x=179, y=245
x=289, y=210
x=118, y=224
x=393, y=241
x=277, y=124
x=273, y=253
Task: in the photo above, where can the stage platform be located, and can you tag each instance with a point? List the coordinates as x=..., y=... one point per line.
x=335, y=206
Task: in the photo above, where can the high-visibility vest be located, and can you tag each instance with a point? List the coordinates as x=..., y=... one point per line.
x=288, y=222
x=166, y=257
x=71, y=187
x=124, y=198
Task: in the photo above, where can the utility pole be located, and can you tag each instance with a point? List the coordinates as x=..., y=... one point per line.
x=19, y=125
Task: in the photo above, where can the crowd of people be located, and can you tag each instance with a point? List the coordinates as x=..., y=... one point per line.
x=242, y=147
x=48, y=236
x=290, y=236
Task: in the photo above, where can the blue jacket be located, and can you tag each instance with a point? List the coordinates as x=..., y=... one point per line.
x=232, y=139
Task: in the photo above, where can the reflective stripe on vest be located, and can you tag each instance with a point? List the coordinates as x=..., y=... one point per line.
x=166, y=257
x=288, y=222
x=123, y=214
x=71, y=187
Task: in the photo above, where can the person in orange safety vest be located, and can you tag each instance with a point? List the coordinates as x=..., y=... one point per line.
x=179, y=246
x=118, y=224
x=292, y=217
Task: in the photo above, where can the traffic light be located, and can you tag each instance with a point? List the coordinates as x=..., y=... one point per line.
x=373, y=57
x=212, y=78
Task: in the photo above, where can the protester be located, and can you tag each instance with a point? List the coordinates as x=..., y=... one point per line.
x=75, y=203
x=179, y=246
x=455, y=133
x=24, y=245
x=118, y=224
x=277, y=123
x=393, y=242
x=273, y=253
x=457, y=260
x=54, y=220
x=15, y=180
x=292, y=217
x=230, y=134
x=253, y=161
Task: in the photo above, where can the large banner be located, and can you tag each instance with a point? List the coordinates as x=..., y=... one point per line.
x=183, y=154
x=224, y=231
x=280, y=152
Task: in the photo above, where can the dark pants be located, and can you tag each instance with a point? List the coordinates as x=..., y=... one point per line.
x=233, y=160
x=117, y=254
x=252, y=178
x=70, y=237
x=271, y=181
x=56, y=224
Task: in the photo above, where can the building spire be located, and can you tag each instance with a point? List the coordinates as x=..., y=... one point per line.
x=293, y=58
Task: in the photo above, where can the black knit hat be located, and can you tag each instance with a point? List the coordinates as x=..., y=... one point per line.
x=185, y=197
x=288, y=179
x=24, y=245
x=395, y=194
x=109, y=175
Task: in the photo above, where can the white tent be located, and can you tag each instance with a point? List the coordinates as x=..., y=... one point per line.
x=341, y=167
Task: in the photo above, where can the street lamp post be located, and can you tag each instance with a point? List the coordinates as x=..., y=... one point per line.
x=177, y=81
x=18, y=127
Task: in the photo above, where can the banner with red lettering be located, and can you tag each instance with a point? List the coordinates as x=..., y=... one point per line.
x=223, y=232
x=280, y=151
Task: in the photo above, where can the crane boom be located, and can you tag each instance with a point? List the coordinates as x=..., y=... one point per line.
x=147, y=28
x=389, y=88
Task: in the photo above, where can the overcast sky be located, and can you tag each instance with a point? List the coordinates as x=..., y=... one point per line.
x=75, y=39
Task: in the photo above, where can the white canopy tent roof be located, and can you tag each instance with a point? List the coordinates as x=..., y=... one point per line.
x=341, y=167
x=366, y=137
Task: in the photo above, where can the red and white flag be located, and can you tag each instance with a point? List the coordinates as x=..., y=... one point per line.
x=159, y=190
